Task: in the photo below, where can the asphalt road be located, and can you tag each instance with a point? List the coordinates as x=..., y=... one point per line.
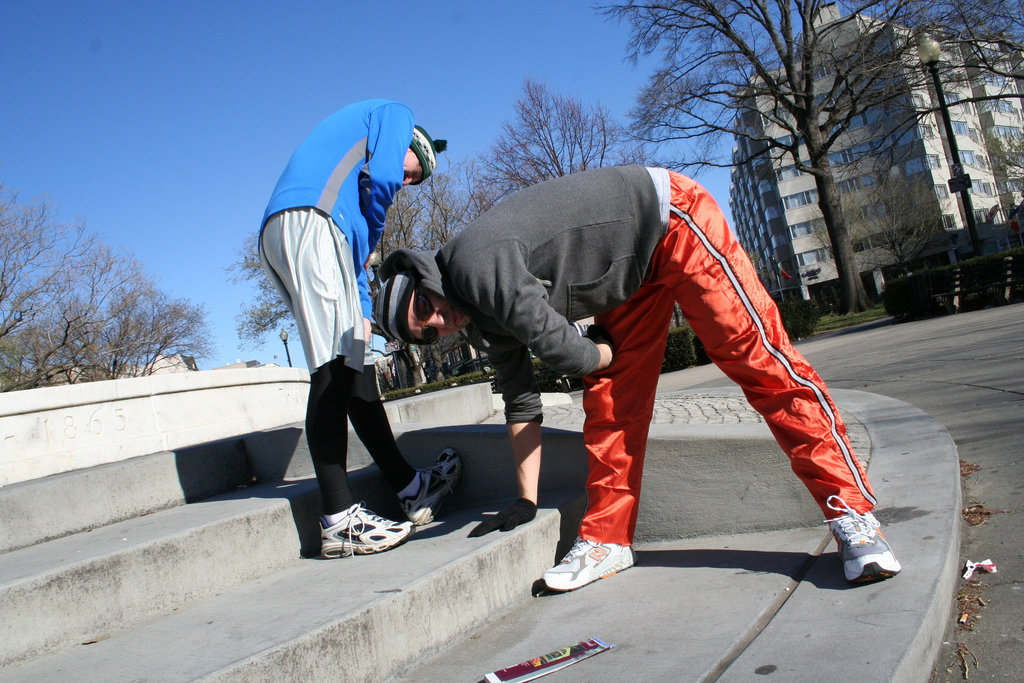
x=967, y=371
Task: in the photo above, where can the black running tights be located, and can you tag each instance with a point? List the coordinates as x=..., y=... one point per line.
x=337, y=392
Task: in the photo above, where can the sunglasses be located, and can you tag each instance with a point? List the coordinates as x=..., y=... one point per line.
x=423, y=309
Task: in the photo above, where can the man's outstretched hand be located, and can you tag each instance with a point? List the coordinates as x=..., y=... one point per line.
x=520, y=512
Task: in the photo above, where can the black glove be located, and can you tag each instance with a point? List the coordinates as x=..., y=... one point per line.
x=598, y=335
x=520, y=512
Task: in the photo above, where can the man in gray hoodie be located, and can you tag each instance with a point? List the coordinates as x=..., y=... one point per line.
x=624, y=244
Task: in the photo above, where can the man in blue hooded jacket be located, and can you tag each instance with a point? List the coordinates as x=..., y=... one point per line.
x=325, y=216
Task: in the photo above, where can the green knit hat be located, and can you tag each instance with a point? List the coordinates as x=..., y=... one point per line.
x=426, y=150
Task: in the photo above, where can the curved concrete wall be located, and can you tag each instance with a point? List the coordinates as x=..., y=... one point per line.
x=59, y=429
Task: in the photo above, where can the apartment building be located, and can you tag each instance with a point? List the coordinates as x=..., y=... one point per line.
x=892, y=169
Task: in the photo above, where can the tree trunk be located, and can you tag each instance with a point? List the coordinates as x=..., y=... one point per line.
x=853, y=298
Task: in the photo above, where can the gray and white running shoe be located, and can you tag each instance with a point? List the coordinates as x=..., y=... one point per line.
x=865, y=553
x=435, y=482
x=587, y=562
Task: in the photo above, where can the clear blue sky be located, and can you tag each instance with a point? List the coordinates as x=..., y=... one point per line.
x=164, y=125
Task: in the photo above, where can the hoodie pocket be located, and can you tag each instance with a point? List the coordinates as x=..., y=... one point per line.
x=614, y=287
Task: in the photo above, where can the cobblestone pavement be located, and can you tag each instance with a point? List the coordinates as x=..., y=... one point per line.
x=697, y=407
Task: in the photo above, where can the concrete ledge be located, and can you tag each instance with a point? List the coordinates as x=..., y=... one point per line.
x=682, y=493
x=59, y=429
x=296, y=623
x=467, y=404
x=321, y=621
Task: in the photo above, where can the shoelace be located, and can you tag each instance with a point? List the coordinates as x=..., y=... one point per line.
x=365, y=517
x=852, y=525
x=579, y=547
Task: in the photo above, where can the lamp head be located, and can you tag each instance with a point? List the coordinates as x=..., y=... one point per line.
x=928, y=50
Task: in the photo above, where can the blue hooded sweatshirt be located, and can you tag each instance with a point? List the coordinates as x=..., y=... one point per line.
x=350, y=167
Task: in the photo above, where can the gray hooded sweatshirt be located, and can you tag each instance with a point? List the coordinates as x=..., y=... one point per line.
x=556, y=252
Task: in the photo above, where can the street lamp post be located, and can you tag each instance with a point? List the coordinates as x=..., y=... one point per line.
x=284, y=339
x=930, y=52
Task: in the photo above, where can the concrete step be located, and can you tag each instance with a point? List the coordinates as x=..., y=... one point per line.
x=38, y=510
x=350, y=619
x=217, y=589
x=56, y=594
x=60, y=592
x=74, y=588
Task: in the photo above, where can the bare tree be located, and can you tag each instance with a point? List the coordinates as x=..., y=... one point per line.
x=1007, y=158
x=35, y=256
x=266, y=311
x=986, y=34
x=788, y=78
x=148, y=329
x=66, y=301
x=554, y=135
x=895, y=220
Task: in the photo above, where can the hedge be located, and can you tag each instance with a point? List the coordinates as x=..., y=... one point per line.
x=468, y=378
x=800, y=317
x=912, y=296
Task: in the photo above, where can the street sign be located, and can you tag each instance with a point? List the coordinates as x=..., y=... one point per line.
x=959, y=183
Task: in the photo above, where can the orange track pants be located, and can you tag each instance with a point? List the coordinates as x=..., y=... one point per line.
x=700, y=265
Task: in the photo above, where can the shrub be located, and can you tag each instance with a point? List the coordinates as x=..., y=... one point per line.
x=679, y=349
x=683, y=350
x=800, y=317
x=468, y=378
x=551, y=382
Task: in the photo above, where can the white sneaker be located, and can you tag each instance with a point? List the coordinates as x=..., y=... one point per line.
x=435, y=482
x=587, y=562
x=866, y=554
x=361, y=532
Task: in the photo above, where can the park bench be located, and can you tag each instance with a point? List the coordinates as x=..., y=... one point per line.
x=996, y=281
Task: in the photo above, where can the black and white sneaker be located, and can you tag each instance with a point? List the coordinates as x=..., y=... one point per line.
x=435, y=483
x=362, y=532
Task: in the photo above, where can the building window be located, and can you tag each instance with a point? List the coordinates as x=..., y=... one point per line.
x=852, y=153
x=941, y=191
x=854, y=184
x=1001, y=106
x=921, y=164
x=803, y=228
x=869, y=242
x=1006, y=132
x=973, y=159
x=961, y=128
x=809, y=258
x=800, y=199
x=787, y=172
